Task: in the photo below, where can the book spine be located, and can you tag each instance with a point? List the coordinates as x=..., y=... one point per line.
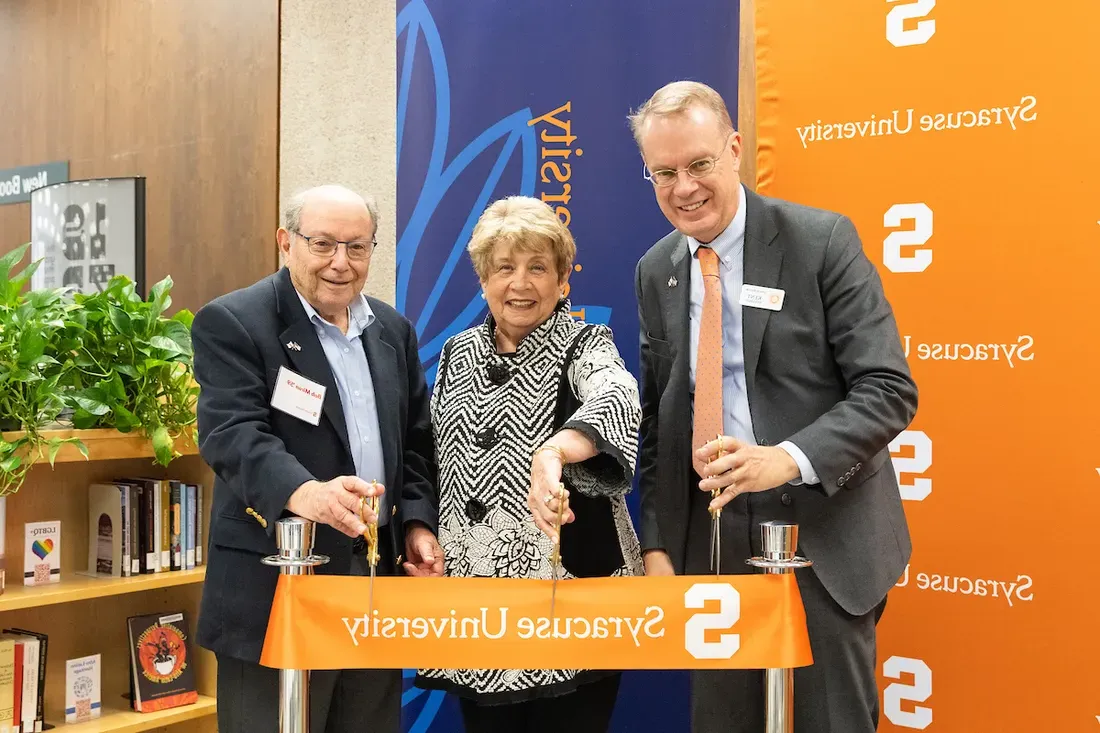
x=154, y=548
x=166, y=526
x=7, y=683
x=135, y=529
x=124, y=499
x=190, y=526
x=177, y=522
x=30, y=682
x=199, y=513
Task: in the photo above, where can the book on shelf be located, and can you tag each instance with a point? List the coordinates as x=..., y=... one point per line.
x=140, y=526
x=161, y=672
x=25, y=666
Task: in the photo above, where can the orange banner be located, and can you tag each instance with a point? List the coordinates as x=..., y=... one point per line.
x=962, y=140
x=733, y=622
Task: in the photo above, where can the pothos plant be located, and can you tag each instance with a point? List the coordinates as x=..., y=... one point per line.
x=108, y=359
x=132, y=367
x=31, y=373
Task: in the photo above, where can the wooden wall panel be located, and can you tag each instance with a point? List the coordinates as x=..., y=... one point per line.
x=184, y=93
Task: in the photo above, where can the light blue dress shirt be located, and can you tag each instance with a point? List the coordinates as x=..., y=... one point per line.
x=348, y=359
x=736, y=419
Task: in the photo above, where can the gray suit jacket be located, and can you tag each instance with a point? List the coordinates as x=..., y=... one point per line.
x=826, y=372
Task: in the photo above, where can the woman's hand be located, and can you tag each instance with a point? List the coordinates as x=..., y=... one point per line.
x=547, y=495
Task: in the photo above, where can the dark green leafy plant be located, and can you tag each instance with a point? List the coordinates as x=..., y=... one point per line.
x=132, y=366
x=31, y=374
x=109, y=359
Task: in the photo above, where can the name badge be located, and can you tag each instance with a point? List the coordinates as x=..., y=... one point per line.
x=298, y=397
x=755, y=296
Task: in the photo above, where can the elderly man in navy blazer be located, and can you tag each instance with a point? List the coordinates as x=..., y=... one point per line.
x=313, y=397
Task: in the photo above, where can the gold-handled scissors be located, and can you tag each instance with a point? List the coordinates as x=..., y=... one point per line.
x=716, y=524
x=370, y=534
x=555, y=554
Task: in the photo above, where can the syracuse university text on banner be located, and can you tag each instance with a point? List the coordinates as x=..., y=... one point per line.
x=961, y=138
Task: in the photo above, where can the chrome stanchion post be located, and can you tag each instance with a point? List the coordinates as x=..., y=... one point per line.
x=294, y=538
x=779, y=541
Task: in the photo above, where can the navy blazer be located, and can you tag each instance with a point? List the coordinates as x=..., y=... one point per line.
x=260, y=455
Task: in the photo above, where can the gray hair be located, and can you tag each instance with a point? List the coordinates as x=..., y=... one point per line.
x=292, y=213
x=676, y=98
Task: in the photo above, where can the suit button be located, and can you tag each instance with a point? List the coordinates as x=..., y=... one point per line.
x=859, y=466
x=762, y=442
x=476, y=510
x=486, y=438
x=786, y=499
x=394, y=512
x=841, y=481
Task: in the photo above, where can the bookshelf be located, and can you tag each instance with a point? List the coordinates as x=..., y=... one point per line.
x=84, y=615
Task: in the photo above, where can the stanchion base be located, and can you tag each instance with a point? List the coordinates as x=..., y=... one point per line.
x=305, y=562
x=763, y=562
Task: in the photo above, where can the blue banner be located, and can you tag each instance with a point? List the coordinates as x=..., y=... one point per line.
x=502, y=97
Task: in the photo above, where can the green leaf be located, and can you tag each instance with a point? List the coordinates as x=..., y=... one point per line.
x=55, y=446
x=40, y=299
x=121, y=320
x=124, y=419
x=32, y=345
x=93, y=400
x=114, y=387
x=163, y=445
x=8, y=261
x=166, y=344
x=159, y=296
x=83, y=420
x=185, y=317
x=179, y=333
x=23, y=276
x=127, y=370
x=11, y=463
x=80, y=446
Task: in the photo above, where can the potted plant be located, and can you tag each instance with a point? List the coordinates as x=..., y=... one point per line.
x=132, y=366
x=108, y=359
x=32, y=376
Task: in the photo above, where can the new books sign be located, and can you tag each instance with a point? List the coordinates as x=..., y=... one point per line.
x=17, y=184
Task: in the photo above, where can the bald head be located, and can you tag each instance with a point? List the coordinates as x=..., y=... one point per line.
x=327, y=195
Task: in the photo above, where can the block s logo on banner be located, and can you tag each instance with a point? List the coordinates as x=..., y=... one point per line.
x=893, y=257
x=729, y=612
x=915, y=34
x=898, y=697
x=917, y=442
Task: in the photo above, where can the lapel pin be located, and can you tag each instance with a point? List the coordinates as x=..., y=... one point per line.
x=293, y=345
x=672, y=282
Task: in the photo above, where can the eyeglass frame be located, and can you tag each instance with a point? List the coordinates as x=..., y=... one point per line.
x=337, y=242
x=712, y=159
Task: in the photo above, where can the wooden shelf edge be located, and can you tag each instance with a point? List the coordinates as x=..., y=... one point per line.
x=113, y=720
x=75, y=587
x=105, y=444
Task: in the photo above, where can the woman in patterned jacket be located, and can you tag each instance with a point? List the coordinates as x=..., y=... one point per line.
x=526, y=400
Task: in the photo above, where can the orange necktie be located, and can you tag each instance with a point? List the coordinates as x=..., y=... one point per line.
x=708, y=359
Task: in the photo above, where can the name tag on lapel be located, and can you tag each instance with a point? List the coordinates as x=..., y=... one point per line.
x=298, y=397
x=756, y=296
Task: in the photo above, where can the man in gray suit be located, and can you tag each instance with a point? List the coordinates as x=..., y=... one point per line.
x=813, y=387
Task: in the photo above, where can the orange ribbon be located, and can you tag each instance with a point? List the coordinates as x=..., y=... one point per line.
x=682, y=622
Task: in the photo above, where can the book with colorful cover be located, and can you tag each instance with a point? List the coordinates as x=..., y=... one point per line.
x=162, y=674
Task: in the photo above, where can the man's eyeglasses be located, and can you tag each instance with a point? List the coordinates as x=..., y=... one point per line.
x=325, y=247
x=696, y=169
